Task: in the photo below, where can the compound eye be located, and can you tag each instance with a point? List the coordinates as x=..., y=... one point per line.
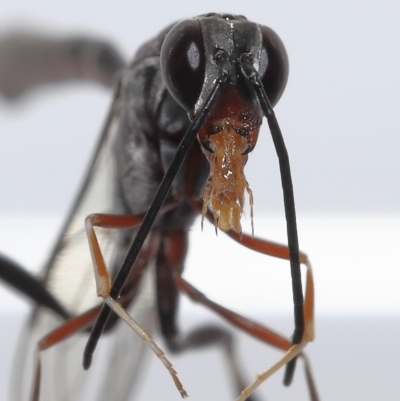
x=182, y=61
x=274, y=64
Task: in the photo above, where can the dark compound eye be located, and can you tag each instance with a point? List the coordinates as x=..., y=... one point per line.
x=274, y=64
x=183, y=62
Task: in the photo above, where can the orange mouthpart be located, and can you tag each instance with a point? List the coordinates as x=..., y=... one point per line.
x=229, y=133
x=224, y=191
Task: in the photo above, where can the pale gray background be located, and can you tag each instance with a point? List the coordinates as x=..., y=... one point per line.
x=340, y=119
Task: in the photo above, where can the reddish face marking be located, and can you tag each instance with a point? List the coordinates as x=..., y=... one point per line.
x=227, y=136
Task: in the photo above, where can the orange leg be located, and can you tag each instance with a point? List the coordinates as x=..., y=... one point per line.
x=281, y=251
x=170, y=263
x=103, y=281
x=261, y=332
x=61, y=333
x=257, y=330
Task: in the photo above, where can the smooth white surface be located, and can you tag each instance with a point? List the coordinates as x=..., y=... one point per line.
x=356, y=263
x=356, y=267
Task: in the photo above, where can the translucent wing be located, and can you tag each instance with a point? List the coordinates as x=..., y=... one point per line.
x=68, y=275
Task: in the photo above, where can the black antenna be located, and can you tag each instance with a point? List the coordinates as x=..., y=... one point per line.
x=288, y=197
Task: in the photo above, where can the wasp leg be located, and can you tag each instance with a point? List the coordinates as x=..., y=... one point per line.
x=263, y=333
x=61, y=333
x=103, y=281
x=280, y=251
x=17, y=277
x=170, y=261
